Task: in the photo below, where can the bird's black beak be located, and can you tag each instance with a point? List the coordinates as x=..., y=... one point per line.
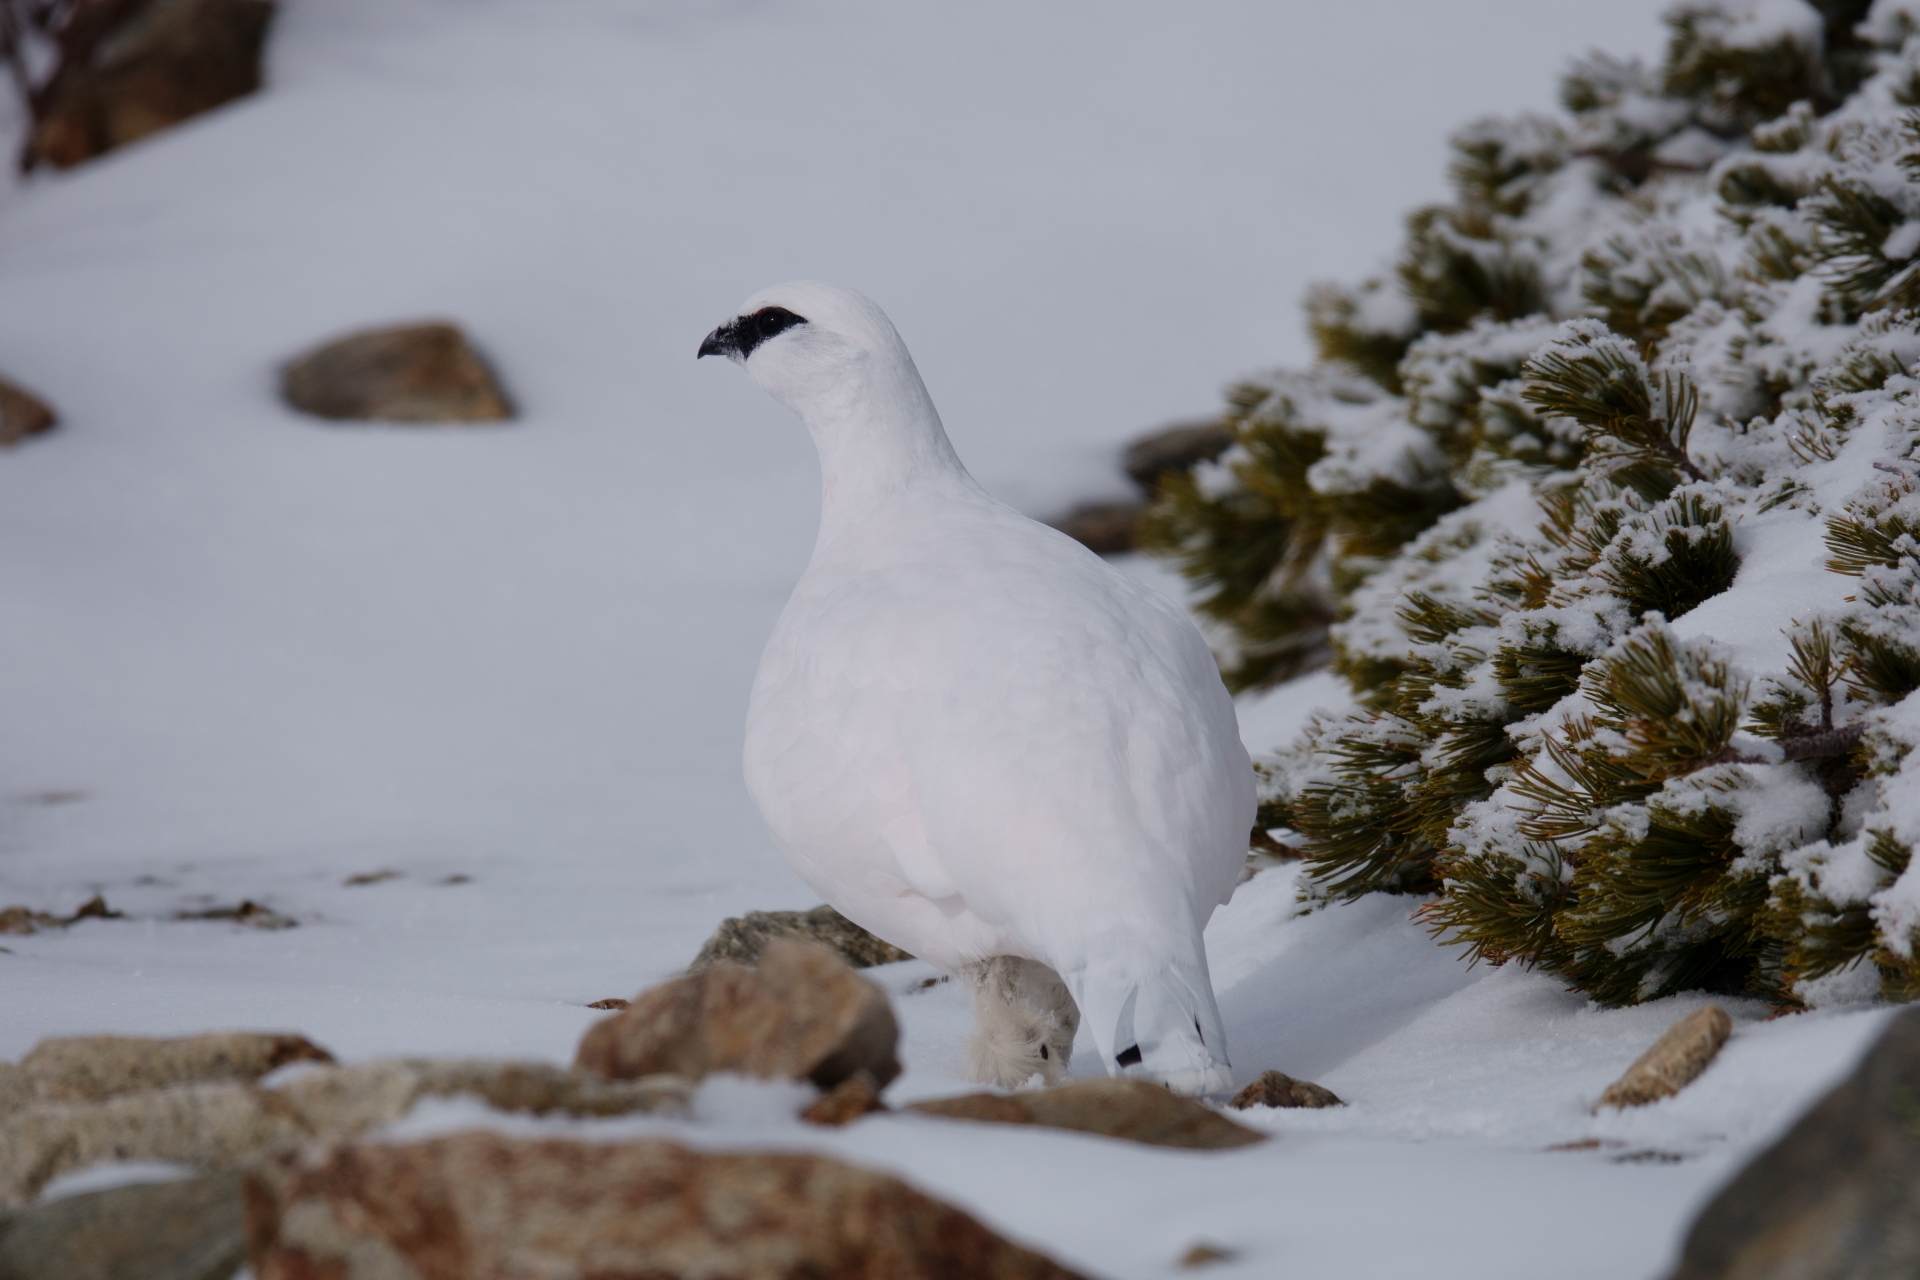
x=724, y=341
x=737, y=338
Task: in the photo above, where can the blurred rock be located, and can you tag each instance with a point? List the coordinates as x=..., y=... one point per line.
x=205, y=1126
x=478, y=1206
x=1130, y=1109
x=1106, y=528
x=184, y=1230
x=22, y=414
x=1206, y=1255
x=1837, y=1198
x=741, y=939
x=247, y=912
x=222, y=1125
x=1673, y=1061
x=413, y=373
x=1176, y=448
x=1276, y=1089
x=174, y=60
x=25, y=920
x=89, y=1068
x=801, y=1015
x=846, y=1102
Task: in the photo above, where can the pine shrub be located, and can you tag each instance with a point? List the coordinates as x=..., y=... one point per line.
x=1605, y=504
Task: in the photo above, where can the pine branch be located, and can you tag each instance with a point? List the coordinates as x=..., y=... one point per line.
x=1821, y=744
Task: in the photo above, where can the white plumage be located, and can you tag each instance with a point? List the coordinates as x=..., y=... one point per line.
x=975, y=738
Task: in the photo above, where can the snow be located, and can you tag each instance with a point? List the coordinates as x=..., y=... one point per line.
x=246, y=656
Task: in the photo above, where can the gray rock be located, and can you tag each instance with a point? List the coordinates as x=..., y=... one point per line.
x=22, y=414
x=1175, y=448
x=412, y=373
x=172, y=61
x=1837, y=1198
x=186, y=1230
x=1105, y=528
x=741, y=939
x=803, y=1014
x=223, y=1125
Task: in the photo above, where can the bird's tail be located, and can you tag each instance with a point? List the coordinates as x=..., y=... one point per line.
x=1162, y=1026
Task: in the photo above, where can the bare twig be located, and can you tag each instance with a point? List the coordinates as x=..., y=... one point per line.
x=1260, y=840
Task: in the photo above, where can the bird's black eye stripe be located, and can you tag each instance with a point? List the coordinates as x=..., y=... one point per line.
x=751, y=331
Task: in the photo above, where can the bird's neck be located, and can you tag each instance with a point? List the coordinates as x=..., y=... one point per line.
x=880, y=442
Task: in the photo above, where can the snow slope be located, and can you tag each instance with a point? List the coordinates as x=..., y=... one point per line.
x=243, y=655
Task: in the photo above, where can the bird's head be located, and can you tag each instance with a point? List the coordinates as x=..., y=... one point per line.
x=816, y=348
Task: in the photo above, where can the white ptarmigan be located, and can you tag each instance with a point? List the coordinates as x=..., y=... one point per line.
x=978, y=740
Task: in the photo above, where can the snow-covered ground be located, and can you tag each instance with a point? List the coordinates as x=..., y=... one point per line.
x=244, y=655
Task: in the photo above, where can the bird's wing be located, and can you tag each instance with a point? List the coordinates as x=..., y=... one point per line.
x=1075, y=759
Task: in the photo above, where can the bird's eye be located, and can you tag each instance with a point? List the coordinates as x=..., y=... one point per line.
x=765, y=323
x=1043, y=1052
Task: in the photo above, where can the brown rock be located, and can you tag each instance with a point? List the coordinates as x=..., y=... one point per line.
x=246, y=912
x=22, y=414
x=1276, y=1089
x=27, y=920
x=801, y=1015
x=741, y=939
x=174, y=60
x=1105, y=528
x=24, y=920
x=413, y=373
x=89, y=1068
x=186, y=1230
x=846, y=1102
x=1837, y=1198
x=213, y=1126
x=1674, y=1060
x=479, y=1206
x=1130, y=1109
x=94, y=908
x=1205, y=1255
x=1176, y=448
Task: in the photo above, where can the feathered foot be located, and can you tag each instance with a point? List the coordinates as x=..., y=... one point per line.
x=1163, y=1026
x=1024, y=1021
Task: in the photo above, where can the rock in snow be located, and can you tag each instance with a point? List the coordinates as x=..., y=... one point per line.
x=478, y=1206
x=1104, y=528
x=174, y=61
x=22, y=414
x=1130, y=1109
x=1176, y=448
x=190, y=1229
x=90, y=1068
x=1838, y=1198
x=1681, y=1053
x=222, y=1124
x=412, y=373
x=1277, y=1089
x=741, y=939
x=801, y=1015
x=846, y=1102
